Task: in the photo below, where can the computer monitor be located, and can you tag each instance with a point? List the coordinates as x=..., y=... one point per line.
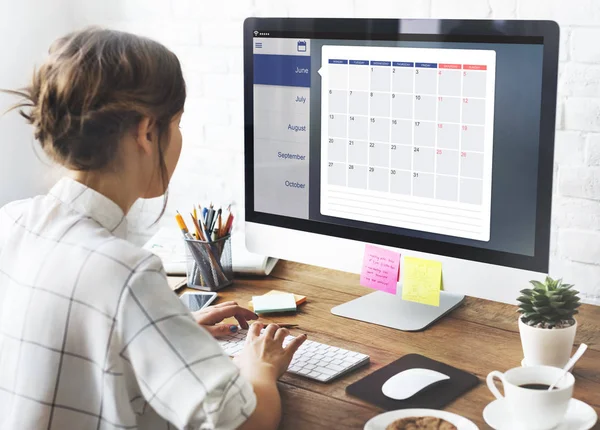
x=434, y=138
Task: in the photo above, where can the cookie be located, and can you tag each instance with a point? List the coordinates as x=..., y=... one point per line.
x=421, y=423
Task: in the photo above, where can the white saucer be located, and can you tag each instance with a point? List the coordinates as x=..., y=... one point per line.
x=580, y=416
x=381, y=421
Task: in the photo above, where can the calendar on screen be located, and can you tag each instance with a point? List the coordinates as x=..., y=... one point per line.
x=407, y=137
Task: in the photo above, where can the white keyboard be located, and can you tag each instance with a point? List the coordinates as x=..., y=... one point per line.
x=312, y=360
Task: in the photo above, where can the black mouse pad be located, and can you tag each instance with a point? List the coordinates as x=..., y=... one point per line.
x=435, y=396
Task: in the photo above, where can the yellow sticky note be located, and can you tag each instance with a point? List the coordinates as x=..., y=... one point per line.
x=422, y=280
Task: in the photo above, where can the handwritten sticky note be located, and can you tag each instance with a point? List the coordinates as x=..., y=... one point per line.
x=421, y=281
x=380, y=269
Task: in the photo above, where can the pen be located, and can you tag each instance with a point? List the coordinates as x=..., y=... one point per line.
x=287, y=325
x=209, y=218
x=281, y=325
x=218, y=222
x=204, y=230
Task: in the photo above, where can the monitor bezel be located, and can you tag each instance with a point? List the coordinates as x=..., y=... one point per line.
x=544, y=32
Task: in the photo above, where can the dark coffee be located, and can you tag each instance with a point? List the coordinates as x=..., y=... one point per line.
x=536, y=386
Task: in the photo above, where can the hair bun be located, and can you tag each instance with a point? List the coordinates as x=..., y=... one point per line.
x=95, y=85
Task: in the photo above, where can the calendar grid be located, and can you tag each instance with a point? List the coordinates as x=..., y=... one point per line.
x=399, y=130
x=389, y=175
x=346, y=172
x=369, y=93
x=391, y=117
x=460, y=134
x=402, y=144
x=412, y=140
x=435, y=146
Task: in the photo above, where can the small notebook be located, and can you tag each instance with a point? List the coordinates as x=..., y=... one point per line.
x=274, y=303
x=435, y=397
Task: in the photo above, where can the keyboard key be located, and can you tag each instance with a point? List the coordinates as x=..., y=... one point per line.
x=325, y=371
x=314, y=374
x=334, y=367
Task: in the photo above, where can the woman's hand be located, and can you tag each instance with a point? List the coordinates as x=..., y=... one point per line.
x=264, y=356
x=211, y=317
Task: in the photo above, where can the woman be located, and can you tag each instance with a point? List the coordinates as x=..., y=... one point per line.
x=91, y=337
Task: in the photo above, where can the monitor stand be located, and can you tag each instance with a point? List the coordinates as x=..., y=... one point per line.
x=391, y=311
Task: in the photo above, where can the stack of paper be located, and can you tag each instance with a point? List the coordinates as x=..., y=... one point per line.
x=168, y=244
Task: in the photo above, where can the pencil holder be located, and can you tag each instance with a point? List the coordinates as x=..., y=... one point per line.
x=208, y=264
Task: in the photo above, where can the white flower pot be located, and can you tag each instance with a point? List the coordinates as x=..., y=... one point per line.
x=548, y=347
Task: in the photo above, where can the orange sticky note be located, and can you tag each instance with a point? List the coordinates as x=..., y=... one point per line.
x=421, y=281
x=380, y=269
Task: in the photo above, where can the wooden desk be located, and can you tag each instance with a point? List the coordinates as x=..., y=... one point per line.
x=479, y=337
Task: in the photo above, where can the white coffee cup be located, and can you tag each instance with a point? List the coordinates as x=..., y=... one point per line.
x=533, y=409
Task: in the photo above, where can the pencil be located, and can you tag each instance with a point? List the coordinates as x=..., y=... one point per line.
x=219, y=226
x=230, y=224
x=197, y=227
x=182, y=225
x=224, y=227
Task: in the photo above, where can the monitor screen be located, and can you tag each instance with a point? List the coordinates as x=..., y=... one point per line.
x=434, y=138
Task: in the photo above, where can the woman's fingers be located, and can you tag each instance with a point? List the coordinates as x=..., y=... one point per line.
x=219, y=314
x=220, y=305
x=271, y=330
x=295, y=343
x=243, y=323
x=221, y=330
x=254, y=331
x=281, y=334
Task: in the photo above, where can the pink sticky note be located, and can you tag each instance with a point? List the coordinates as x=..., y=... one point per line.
x=380, y=269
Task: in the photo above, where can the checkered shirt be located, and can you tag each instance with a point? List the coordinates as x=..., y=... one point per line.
x=91, y=336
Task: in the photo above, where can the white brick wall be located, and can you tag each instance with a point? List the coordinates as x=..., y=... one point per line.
x=207, y=35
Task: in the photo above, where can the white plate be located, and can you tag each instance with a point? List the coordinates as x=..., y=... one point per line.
x=580, y=416
x=381, y=421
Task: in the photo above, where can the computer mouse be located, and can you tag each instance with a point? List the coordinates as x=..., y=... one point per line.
x=409, y=382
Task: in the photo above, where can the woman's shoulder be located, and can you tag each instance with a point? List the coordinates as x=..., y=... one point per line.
x=132, y=256
x=15, y=208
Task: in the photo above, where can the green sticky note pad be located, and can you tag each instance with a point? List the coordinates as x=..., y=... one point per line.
x=274, y=303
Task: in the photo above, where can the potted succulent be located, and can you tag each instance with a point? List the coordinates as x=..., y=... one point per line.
x=547, y=324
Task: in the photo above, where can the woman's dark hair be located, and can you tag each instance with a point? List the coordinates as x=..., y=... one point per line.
x=95, y=86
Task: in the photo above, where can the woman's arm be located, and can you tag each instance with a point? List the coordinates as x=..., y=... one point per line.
x=267, y=414
x=262, y=362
